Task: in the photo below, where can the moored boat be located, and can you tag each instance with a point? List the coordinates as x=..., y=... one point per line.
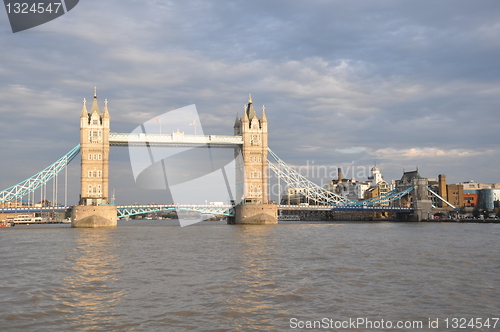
x=6, y=223
x=27, y=219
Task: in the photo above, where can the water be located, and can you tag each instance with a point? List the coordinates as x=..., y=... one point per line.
x=154, y=276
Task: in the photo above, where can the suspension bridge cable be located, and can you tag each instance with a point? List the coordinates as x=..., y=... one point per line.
x=38, y=180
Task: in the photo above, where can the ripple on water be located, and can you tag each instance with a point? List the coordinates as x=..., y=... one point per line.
x=223, y=278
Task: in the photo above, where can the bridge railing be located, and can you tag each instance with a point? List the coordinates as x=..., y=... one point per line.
x=131, y=210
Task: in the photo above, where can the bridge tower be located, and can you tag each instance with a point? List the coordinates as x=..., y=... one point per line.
x=254, y=152
x=94, y=210
x=94, y=147
x=255, y=208
x=418, y=198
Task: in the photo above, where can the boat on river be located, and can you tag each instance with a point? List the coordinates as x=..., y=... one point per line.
x=27, y=219
x=6, y=223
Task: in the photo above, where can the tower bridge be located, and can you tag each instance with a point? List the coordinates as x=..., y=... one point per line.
x=250, y=140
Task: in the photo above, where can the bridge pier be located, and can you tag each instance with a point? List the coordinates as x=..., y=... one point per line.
x=93, y=216
x=255, y=214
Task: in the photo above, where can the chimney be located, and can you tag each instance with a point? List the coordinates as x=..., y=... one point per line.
x=442, y=189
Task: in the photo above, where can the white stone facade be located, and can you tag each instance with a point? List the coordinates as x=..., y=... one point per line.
x=94, y=147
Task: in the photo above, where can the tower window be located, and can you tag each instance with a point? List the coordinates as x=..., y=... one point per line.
x=95, y=174
x=95, y=121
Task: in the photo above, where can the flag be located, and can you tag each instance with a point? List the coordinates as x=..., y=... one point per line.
x=157, y=120
x=192, y=123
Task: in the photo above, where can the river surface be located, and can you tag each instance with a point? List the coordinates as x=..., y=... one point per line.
x=157, y=276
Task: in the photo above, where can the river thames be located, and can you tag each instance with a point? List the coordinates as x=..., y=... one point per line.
x=156, y=276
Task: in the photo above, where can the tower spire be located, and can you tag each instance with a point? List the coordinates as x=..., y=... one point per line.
x=95, y=106
x=244, y=118
x=84, y=113
x=250, y=110
x=237, y=123
x=264, y=118
x=105, y=111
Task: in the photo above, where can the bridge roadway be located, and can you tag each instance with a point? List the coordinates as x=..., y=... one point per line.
x=124, y=210
x=34, y=209
x=174, y=140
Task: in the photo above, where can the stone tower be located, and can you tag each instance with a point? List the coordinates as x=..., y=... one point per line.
x=254, y=153
x=94, y=209
x=94, y=147
x=255, y=208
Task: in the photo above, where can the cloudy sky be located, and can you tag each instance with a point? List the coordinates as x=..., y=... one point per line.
x=345, y=83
